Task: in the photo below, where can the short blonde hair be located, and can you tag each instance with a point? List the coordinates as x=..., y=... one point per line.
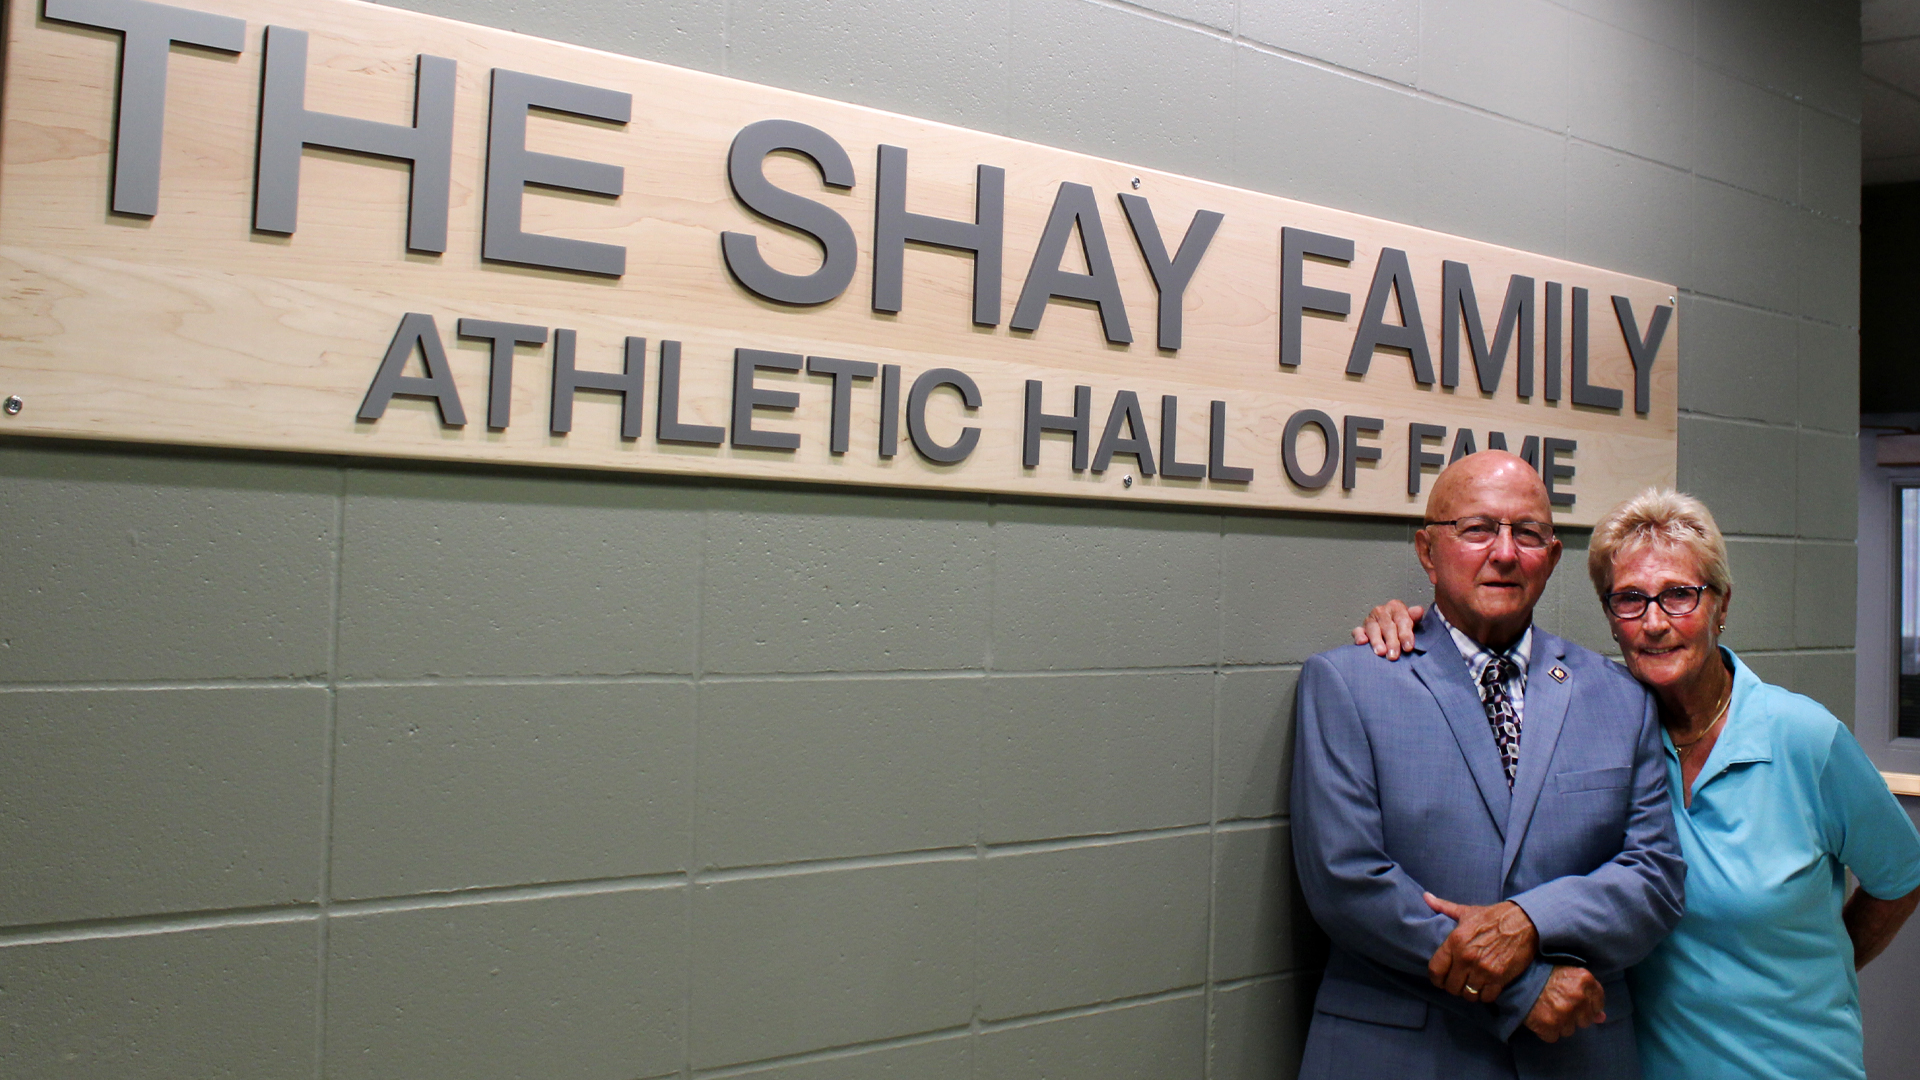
x=1664, y=517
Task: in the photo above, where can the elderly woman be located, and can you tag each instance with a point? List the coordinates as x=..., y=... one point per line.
x=1774, y=801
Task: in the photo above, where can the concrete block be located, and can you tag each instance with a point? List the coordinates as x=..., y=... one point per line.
x=1738, y=361
x=1827, y=677
x=1570, y=607
x=1078, y=755
x=438, y=788
x=1829, y=50
x=1729, y=226
x=1829, y=480
x=1777, y=668
x=1505, y=56
x=1742, y=471
x=949, y=1058
x=811, y=581
x=1823, y=594
x=1073, y=926
x=685, y=33
x=1829, y=165
x=798, y=962
x=575, y=986
x=1627, y=214
x=1348, y=149
x=1276, y=606
x=946, y=62
x=1490, y=178
x=1260, y=1028
x=1083, y=68
x=232, y=1001
x=1097, y=587
x=1260, y=923
x=122, y=803
x=144, y=566
x=1745, y=135
x=1161, y=1040
x=1829, y=265
x=1761, y=615
x=1630, y=94
x=1660, y=21
x=456, y=574
x=1829, y=377
x=825, y=768
x=1253, y=744
x=1785, y=46
x=1380, y=39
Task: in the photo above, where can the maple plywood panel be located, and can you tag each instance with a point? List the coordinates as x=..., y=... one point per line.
x=190, y=327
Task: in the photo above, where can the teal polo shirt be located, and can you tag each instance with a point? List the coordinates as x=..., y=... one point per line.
x=1757, y=981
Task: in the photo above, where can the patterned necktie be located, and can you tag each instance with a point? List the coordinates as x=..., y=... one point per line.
x=1500, y=713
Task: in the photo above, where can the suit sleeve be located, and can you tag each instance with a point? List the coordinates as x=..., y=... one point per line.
x=1612, y=917
x=1360, y=896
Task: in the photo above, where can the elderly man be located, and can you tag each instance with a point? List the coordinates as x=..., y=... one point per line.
x=1481, y=826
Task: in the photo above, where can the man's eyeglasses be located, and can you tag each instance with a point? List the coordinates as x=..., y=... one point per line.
x=1479, y=531
x=1674, y=600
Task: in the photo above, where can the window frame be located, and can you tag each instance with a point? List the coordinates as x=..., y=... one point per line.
x=1877, y=618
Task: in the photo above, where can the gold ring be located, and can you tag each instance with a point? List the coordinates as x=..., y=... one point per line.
x=1473, y=989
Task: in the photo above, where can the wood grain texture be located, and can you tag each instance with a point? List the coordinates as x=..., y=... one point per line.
x=190, y=327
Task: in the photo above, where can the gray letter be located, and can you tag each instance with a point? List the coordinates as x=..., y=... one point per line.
x=1170, y=276
x=894, y=228
x=749, y=182
x=415, y=330
x=1296, y=297
x=629, y=384
x=923, y=387
x=1457, y=299
x=1073, y=205
x=1642, y=351
x=511, y=167
x=1392, y=276
x=1598, y=397
x=287, y=127
x=148, y=31
x=504, y=336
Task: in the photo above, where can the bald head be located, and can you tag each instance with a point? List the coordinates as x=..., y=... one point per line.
x=1489, y=472
x=1487, y=588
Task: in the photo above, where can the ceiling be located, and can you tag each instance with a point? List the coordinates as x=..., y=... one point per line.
x=1890, y=92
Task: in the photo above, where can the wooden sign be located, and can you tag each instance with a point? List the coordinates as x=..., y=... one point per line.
x=335, y=227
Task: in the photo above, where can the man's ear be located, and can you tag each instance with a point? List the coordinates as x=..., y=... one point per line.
x=1423, y=548
x=1553, y=555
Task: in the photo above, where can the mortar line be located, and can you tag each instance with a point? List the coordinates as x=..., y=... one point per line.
x=153, y=685
x=1111, y=1005
x=147, y=925
x=328, y=764
x=510, y=894
x=831, y=1053
x=689, y=938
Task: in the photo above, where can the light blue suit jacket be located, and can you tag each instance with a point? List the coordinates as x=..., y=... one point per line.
x=1398, y=789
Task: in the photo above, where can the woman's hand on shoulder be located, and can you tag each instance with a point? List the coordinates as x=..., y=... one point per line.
x=1389, y=629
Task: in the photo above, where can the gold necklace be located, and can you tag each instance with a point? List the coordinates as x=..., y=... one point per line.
x=1719, y=714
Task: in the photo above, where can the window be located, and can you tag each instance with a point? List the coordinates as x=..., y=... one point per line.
x=1887, y=632
x=1908, y=501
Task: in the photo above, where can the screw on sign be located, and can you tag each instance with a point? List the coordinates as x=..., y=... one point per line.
x=14, y=405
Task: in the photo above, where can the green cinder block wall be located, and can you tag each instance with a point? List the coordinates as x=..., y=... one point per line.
x=366, y=770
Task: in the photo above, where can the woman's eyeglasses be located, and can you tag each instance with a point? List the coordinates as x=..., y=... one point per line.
x=1674, y=600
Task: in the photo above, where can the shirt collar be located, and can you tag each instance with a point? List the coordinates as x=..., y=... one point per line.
x=1477, y=655
x=1746, y=737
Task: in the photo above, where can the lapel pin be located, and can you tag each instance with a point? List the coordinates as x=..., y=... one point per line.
x=1559, y=674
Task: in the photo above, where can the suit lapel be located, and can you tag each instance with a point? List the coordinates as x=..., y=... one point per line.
x=1444, y=674
x=1545, y=717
